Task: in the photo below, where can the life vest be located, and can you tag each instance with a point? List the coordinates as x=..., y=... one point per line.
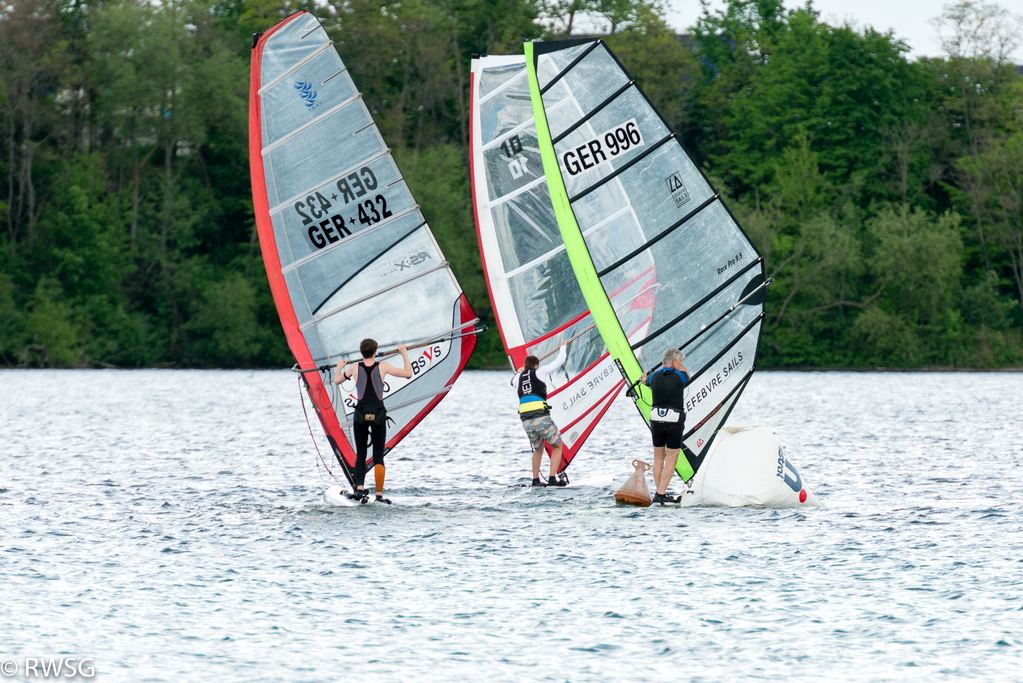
x=667, y=386
x=369, y=388
x=532, y=395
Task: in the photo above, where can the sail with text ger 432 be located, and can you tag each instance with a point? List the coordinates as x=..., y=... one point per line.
x=632, y=207
x=537, y=301
x=348, y=253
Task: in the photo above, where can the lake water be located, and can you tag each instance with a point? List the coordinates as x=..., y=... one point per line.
x=170, y=525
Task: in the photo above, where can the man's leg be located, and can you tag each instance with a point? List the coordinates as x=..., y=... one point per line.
x=537, y=455
x=361, y=443
x=556, y=459
x=379, y=441
x=658, y=464
x=668, y=470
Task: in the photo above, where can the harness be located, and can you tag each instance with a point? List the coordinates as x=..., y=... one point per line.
x=532, y=396
x=369, y=390
x=375, y=385
x=667, y=386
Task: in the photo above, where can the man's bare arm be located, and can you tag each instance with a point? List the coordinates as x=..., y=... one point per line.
x=388, y=369
x=341, y=374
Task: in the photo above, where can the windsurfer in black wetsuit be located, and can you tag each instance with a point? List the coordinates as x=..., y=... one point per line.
x=370, y=415
x=536, y=414
x=667, y=419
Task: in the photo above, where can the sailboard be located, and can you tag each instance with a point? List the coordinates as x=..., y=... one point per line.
x=638, y=217
x=347, y=251
x=537, y=302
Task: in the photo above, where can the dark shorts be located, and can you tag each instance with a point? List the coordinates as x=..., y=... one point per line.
x=668, y=434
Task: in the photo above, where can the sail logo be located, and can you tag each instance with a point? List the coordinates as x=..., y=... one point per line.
x=421, y=360
x=306, y=92
x=516, y=158
x=678, y=189
x=603, y=148
x=413, y=260
x=790, y=475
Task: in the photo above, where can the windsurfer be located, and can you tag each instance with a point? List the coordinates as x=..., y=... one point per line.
x=536, y=414
x=370, y=414
x=667, y=419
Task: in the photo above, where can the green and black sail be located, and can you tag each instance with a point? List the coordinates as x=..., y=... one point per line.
x=677, y=249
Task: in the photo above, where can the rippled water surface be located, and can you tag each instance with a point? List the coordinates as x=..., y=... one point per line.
x=170, y=524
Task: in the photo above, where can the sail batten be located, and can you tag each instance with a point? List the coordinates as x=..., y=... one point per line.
x=635, y=160
x=383, y=251
x=298, y=65
x=585, y=53
x=315, y=122
x=611, y=98
x=655, y=239
x=373, y=295
x=291, y=200
x=688, y=312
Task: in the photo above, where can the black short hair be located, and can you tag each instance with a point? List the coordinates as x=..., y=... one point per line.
x=368, y=347
x=531, y=362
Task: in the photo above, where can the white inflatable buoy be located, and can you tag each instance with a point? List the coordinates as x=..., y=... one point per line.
x=747, y=466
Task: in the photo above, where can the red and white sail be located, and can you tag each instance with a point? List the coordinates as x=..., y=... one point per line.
x=348, y=253
x=537, y=301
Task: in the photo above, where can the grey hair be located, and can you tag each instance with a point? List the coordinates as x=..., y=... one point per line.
x=671, y=355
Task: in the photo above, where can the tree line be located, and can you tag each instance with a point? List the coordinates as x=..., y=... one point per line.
x=885, y=193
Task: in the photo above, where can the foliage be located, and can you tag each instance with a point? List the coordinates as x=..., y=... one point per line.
x=885, y=195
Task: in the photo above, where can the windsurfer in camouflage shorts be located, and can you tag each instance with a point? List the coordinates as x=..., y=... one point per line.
x=536, y=414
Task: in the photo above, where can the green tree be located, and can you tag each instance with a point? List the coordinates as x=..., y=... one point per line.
x=833, y=86
x=53, y=332
x=977, y=89
x=808, y=233
x=222, y=329
x=11, y=321
x=919, y=257
x=664, y=67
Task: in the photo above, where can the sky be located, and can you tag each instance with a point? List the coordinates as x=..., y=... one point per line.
x=909, y=18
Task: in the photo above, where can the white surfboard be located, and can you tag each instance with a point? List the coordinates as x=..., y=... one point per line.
x=335, y=495
x=598, y=481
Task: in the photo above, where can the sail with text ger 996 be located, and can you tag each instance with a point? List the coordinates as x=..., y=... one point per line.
x=605, y=147
x=348, y=253
x=537, y=302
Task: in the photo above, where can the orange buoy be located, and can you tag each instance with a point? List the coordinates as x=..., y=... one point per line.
x=634, y=491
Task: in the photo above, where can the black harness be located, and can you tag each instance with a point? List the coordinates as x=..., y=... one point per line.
x=667, y=385
x=532, y=395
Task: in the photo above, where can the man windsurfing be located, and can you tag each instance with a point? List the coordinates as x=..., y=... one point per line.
x=370, y=414
x=536, y=414
x=667, y=419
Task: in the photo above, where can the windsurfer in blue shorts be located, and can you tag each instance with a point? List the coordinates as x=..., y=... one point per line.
x=370, y=414
x=667, y=419
x=536, y=414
